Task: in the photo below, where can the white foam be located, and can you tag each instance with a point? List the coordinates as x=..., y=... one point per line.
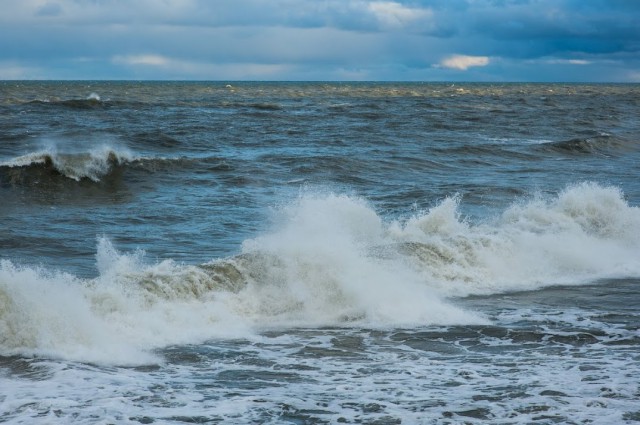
x=329, y=260
x=356, y=375
x=326, y=272
x=587, y=232
x=52, y=314
x=110, y=319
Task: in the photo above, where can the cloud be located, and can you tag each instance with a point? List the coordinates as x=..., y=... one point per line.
x=296, y=39
x=357, y=15
x=393, y=15
x=149, y=60
x=14, y=71
x=153, y=66
x=534, y=28
x=49, y=9
x=463, y=62
x=569, y=62
x=634, y=76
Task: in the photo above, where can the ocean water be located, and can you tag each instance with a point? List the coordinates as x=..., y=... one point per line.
x=308, y=253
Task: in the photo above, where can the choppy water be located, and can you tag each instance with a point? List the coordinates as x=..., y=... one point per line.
x=319, y=253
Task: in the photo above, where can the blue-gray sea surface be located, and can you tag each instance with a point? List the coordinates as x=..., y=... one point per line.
x=417, y=253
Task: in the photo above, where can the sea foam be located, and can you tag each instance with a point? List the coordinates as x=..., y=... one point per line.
x=329, y=259
x=587, y=232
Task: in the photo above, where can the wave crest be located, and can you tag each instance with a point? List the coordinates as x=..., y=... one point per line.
x=587, y=232
x=92, y=165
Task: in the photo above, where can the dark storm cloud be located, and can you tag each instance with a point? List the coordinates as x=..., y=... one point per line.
x=550, y=27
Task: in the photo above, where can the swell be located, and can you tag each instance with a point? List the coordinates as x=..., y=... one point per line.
x=600, y=144
x=90, y=103
x=82, y=104
x=94, y=102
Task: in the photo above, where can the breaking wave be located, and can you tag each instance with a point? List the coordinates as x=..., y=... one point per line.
x=96, y=165
x=92, y=165
x=329, y=260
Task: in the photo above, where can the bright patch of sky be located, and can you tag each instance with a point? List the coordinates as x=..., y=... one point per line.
x=402, y=40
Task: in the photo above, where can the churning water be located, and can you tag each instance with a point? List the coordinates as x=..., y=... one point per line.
x=319, y=253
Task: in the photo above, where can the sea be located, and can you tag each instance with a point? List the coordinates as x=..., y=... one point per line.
x=319, y=253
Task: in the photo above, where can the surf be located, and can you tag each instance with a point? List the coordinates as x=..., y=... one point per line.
x=328, y=260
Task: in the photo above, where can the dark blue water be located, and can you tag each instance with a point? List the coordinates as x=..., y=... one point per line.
x=319, y=252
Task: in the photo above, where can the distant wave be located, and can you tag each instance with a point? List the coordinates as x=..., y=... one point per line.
x=332, y=260
x=92, y=101
x=95, y=102
x=92, y=165
x=265, y=106
x=603, y=144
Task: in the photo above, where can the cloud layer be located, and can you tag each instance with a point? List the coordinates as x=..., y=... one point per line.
x=480, y=40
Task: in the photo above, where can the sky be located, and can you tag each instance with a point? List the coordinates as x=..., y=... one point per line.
x=327, y=40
